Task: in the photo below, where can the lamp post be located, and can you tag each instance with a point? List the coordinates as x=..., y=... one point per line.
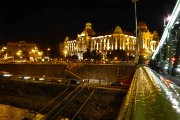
x=65, y=53
x=137, y=40
x=166, y=19
x=163, y=52
x=48, y=51
x=19, y=54
x=33, y=52
x=3, y=52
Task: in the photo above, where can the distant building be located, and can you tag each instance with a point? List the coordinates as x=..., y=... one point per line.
x=147, y=41
x=21, y=50
x=113, y=40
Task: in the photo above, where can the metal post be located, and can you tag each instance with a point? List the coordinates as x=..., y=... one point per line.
x=177, y=54
x=137, y=40
x=170, y=53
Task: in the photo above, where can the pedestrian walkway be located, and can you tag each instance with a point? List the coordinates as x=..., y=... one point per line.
x=151, y=96
x=175, y=80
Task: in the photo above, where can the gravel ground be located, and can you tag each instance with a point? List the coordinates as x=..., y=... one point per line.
x=104, y=104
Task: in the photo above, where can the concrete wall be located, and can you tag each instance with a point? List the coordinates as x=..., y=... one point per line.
x=105, y=72
x=51, y=70
x=109, y=72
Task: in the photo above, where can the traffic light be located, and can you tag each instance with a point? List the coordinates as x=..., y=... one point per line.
x=173, y=59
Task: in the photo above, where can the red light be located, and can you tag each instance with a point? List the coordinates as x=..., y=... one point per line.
x=173, y=59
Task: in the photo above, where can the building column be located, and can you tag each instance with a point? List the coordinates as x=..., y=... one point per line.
x=115, y=43
x=107, y=44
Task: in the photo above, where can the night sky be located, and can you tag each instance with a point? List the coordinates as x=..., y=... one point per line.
x=48, y=22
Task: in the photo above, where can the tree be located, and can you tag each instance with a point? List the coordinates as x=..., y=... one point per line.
x=140, y=60
x=74, y=57
x=87, y=55
x=99, y=56
x=94, y=55
x=119, y=54
x=131, y=58
x=25, y=55
x=109, y=56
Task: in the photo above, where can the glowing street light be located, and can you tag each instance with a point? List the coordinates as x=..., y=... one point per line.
x=19, y=54
x=166, y=19
x=48, y=51
x=65, y=53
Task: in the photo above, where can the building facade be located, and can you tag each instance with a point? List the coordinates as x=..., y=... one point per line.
x=117, y=39
x=22, y=50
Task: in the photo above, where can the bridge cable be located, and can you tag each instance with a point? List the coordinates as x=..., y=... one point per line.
x=50, y=103
x=83, y=104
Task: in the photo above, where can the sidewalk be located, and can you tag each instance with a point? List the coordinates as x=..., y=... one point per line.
x=175, y=80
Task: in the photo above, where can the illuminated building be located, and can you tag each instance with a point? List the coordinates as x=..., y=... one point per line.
x=117, y=39
x=147, y=41
x=21, y=49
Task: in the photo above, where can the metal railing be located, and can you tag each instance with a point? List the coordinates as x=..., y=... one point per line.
x=150, y=97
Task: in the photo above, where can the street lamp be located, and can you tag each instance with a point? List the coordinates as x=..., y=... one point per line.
x=48, y=51
x=137, y=40
x=33, y=54
x=19, y=54
x=166, y=19
x=65, y=53
x=3, y=52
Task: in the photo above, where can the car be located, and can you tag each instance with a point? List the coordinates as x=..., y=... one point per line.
x=73, y=81
x=24, y=77
x=116, y=83
x=39, y=79
x=54, y=80
x=178, y=70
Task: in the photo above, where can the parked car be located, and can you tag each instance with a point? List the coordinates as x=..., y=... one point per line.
x=117, y=83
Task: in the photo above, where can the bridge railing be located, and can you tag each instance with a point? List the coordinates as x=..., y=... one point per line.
x=150, y=97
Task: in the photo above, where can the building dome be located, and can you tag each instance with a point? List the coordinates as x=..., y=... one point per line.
x=88, y=29
x=118, y=30
x=142, y=26
x=88, y=25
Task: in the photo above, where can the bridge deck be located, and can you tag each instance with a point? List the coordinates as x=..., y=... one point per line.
x=151, y=97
